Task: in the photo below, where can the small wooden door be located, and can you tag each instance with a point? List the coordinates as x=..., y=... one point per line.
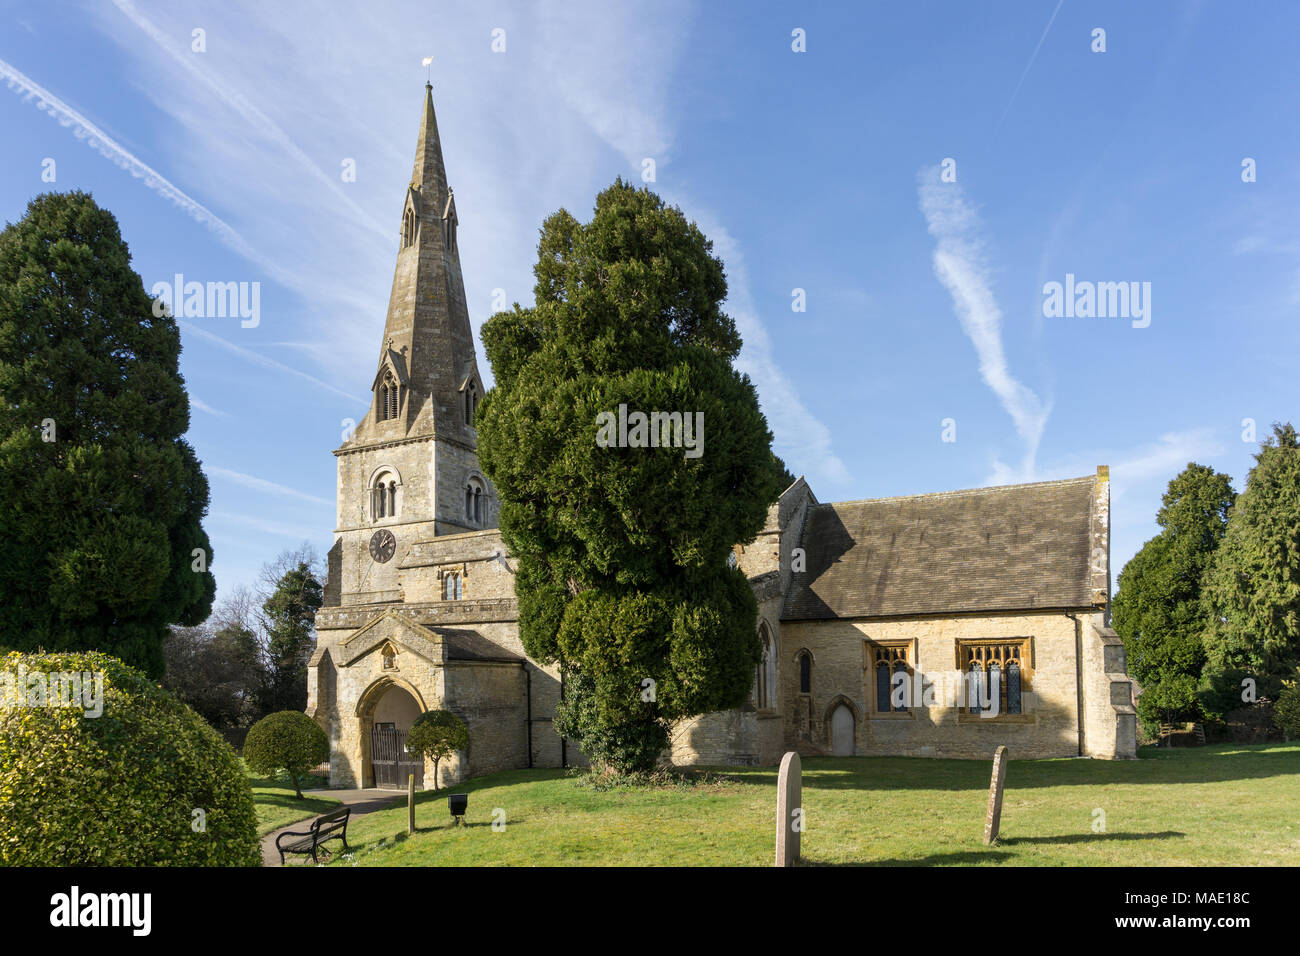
x=842, y=731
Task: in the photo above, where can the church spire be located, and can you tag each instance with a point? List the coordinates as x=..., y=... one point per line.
x=426, y=365
x=429, y=175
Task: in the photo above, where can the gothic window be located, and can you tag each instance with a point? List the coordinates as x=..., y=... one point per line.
x=389, y=398
x=471, y=403
x=408, y=227
x=805, y=672
x=452, y=588
x=998, y=673
x=888, y=662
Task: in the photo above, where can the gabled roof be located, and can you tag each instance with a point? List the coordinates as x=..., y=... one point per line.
x=390, y=359
x=1014, y=547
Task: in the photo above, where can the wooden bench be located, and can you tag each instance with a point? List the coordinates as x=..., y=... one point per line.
x=331, y=826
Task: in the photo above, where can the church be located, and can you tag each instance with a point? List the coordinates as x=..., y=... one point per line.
x=930, y=625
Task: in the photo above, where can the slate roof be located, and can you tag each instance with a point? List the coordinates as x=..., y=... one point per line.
x=1013, y=547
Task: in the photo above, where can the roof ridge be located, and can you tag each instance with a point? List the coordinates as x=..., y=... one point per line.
x=962, y=491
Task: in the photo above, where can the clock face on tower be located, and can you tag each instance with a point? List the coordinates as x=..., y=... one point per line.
x=382, y=545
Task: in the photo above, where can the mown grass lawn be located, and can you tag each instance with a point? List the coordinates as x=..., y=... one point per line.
x=1222, y=805
x=277, y=806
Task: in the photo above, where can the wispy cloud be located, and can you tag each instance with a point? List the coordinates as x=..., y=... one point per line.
x=257, y=358
x=107, y=147
x=275, y=529
x=205, y=407
x=183, y=57
x=261, y=484
x=1157, y=460
x=959, y=263
x=799, y=437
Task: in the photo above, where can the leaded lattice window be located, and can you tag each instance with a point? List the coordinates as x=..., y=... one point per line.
x=997, y=675
x=889, y=660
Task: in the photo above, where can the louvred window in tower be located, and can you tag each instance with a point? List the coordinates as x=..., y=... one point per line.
x=408, y=227
x=389, y=398
x=471, y=403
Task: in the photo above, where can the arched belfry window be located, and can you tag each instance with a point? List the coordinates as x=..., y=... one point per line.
x=474, y=501
x=383, y=496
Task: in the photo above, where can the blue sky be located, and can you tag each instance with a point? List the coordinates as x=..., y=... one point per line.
x=816, y=170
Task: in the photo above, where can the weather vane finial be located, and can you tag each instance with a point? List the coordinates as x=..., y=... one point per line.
x=425, y=63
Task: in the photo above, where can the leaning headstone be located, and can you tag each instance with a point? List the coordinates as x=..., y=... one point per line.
x=789, y=810
x=994, y=817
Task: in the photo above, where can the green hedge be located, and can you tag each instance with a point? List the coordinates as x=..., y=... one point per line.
x=121, y=788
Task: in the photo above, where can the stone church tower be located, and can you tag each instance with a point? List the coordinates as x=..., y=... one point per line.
x=410, y=468
x=1003, y=588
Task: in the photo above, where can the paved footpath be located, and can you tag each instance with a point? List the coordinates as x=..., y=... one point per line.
x=361, y=802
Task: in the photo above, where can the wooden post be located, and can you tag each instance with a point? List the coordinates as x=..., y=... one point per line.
x=993, y=818
x=410, y=803
x=789, y=810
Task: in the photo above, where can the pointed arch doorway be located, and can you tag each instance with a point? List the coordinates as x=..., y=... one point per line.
x=387, y=711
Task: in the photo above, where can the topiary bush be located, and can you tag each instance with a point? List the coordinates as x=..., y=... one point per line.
x=437, y=734
x=143, y=782
x=287, y=742
x=1286, y=712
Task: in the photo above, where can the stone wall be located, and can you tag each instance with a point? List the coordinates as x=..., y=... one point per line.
x=1048, y=727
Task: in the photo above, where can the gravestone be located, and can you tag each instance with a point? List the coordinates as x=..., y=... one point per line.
x=994, y=817
x=789, y=810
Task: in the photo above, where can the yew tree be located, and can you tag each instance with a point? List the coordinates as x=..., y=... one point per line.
x=621, y=548
x=1159, y=611
x=1252, y=588
x=101, y=498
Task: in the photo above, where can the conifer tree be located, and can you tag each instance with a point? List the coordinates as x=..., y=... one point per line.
x=1253, y=586
x=622, y=547
x=1158, y=609
x=101, y=498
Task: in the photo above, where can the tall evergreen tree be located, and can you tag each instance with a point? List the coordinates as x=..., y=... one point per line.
x=101, y=498
x=1158, y=609
x=622, y=551
x=1253, y=587
x=290, y=615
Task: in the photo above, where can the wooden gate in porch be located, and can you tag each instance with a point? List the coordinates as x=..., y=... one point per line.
x=390, y=760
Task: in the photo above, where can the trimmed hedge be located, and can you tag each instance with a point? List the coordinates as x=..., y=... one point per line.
x=121, y=788
x=288, y=742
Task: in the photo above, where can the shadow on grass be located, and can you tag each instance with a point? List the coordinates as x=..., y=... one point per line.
x=1214, y=764
x=1069, y=838
x=997, y=853
x=962, y=858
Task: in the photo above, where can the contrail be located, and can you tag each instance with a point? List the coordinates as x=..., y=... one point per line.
x=250, y=113
x=258, y=359
x=1032, y=58
x=107, y=147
